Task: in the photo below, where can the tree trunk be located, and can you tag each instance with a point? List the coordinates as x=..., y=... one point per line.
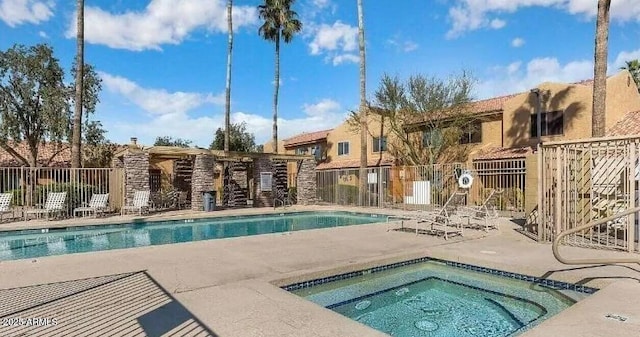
x=600, y=70
x=227, y=107
x=76, y=140
x=363, y=107
x=275, y=96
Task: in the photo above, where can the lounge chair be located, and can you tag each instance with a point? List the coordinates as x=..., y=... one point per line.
x=97, y=204
x=439, y=222
x=53, y=205
x=139, y=204
x=486, y=213
x=5, y=204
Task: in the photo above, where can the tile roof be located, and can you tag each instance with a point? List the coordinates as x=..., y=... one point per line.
x=355, y=163
x=60, y=154
x=476, y=107
x=306, y=138
x=502, y=153
x=628, y=125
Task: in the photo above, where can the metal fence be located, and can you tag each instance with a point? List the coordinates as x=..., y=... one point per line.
x=30, y=186
x=586, y=180
x=423, y=187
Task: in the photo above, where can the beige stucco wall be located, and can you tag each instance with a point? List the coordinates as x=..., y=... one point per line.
x=622, y=97
x=346, y=132
x=576, y=102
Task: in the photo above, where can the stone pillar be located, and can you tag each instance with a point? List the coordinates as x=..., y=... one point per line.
x=262, y=198
x=307, y=183
x=136, y=173
x=280, y=177
x=202, y=179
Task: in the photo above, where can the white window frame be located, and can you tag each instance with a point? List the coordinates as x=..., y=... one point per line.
x=266, y=181
x=348, y=148
x=373, y=144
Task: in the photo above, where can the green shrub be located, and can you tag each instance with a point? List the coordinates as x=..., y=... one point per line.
x=76, y=193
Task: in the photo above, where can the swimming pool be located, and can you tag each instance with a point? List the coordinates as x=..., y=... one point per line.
x=430, y=297
x=45, y=242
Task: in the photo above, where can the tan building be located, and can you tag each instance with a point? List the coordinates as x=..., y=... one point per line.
x=507, y=125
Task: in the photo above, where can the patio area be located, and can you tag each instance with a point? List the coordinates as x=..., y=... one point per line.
x=229, y=287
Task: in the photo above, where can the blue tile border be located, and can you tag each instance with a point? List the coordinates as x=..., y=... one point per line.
x=558, y=285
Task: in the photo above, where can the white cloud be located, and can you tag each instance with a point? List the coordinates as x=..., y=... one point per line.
x=517, y=42
x=515, y=78
x=169, y=114
x=337, y=42
x=17, y=12
x=322, y=3
x=43, y=34
x=624, y=56
x=344, y=58
x=497, y=23
x=158, y=101
x=468, y=15
x=161, y=22
x=402, y=45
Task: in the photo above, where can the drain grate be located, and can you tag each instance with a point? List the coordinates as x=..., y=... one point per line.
x=616, y=317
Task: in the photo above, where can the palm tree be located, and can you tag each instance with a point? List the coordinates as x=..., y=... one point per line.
x=633, y=67
x=227, y=105
x=76, y=137
x=363, y=105
x=279, y=22
x=600, y=69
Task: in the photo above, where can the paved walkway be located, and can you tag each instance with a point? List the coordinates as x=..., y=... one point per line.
x=226, y=287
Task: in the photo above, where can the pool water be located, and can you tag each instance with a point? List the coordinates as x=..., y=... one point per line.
x=433, y=299
x=46, y=242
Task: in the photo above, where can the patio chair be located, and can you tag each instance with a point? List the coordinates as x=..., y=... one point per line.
x=5, y=204
x=441, y=221
x=140, y=203
x=53, y=205
x=97, y=204
x=486, y=213
x=279, y=197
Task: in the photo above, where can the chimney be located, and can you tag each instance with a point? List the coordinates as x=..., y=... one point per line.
x=134, y=141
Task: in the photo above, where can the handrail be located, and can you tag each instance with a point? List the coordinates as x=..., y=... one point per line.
x=556, y=242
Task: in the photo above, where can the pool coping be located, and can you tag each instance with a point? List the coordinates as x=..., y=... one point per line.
x=172, y=219
x=558, y=285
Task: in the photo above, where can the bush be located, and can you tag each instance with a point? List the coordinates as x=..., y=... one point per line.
x=76, y=193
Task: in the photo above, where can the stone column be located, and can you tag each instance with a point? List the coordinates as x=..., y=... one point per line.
x=307, y=183
x=202, y=179
x=262, y=198
x=136, y=173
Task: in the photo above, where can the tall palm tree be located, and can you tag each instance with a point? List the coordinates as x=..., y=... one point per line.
x=633, y=67
x=600, y=69
x=279, y=22
x=76, y=137
x=227, y=105
x=363, y=105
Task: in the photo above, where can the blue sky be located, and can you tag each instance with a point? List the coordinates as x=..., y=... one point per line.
x=163, y=61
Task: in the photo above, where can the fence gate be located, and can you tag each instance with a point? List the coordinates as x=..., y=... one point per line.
x=582, y=181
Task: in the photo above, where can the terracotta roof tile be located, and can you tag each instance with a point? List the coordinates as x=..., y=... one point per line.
x=60, y=154
x=306, y=138
x=355, y=163
x=628, y=125
x=502, y=153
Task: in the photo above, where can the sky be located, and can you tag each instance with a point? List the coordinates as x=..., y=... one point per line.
x=163, y=62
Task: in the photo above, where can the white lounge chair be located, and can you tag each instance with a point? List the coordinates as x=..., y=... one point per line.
x=139, y=204
x=53, y=205
x=5, y=204
x=97, y=204
x=440, y=222
x=486, y=213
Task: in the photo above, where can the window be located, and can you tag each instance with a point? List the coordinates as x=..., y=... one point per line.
x=552, y=123
x=155, y=180
x=301, y=150
x=431, y=138
x=471, y=134
x=379, y=144
x=343, y=148
x=316, y=151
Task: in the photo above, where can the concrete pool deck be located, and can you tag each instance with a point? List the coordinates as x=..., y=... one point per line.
x=227, y=287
